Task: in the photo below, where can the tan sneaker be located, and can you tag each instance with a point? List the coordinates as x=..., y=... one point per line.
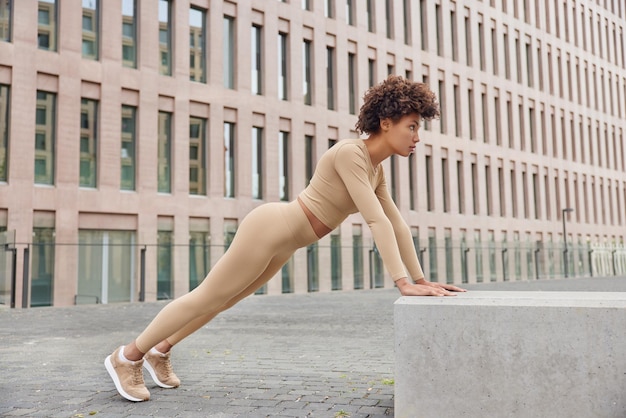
x=160, y=368
x=127, y=376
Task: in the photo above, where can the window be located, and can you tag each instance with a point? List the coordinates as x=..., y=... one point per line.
x=128, y=150
x=105, y=266
x=412, y=181
x=165, y=37
x=229, y=52
x=45, y=138
x=307, y=89
x=229, y=159
x=488, y=190
x=257, y=163
x=4, y=132
x=5, y=20
x=453, y=33
x=199, y=254
x=439, y=30
x=357, y=256
x=306, y=4
x=164, y=163
x=197, y=156
x=445, y=185
x=430, y=199
x=432, y=255
x=47, y=25
x=165, y=264
x=371, y=72
x=449, y=256
x=352, y=83
x=129, y=33
x=460, y=183
x=329, y=8
x=91, y=23
x=350, y=13
x=42, y=266
x=424, y=25
x=475, y=195
x=88, y=142
x=283, y=67
x=197, y=45
x=389, y=18
x=330, y=77
x=335, y=260
x=256, y=59
x=371, y=21
x=283, y=165
x=468, y=38
x=309, y=168
x=286, y=273
x=481, y=44
x=442, y=105
x=406, y=15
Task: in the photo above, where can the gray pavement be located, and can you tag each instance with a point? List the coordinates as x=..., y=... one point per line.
x=310, y=355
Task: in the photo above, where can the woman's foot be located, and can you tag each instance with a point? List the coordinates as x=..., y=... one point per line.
x=127, y=376
x=160, y=368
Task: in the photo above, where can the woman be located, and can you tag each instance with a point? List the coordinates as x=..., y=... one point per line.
x=349, y=178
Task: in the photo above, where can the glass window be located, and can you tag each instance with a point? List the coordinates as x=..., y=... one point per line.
x=230, y=229
x=329, y=8
x=335, y=260
x=389, y=18
x=128, y=150
x=164, y=164
x=229, y=159
x=306, y=4
x=5, y=20
x=330, y=77
x=432, y=255
x=106, y=263
x=449, y=256
x=165, y=37
x=312, y=267
x=197, y=156
x=352, y=83
x=199, y=257
x=350, y=12
x=42, y=267
x=47, y=25
x=257, y=163
x=197, y=45
x=257, y=59
x=229, y=52
x=370, y=16
x=283, y=165
x=91, y=29
x=129, y=33
x=357, y=256
x=283, y=67
x=45, y=130
x=4, y=132
x=286, y=273
x=309, y=143
x=88, y=142
x=307, y=89
x=165, y=264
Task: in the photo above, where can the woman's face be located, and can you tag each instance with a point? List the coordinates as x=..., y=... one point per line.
x=402, y=135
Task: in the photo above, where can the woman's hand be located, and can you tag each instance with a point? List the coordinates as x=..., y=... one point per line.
x=425, y=288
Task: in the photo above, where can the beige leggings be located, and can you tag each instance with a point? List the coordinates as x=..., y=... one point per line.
x=265, y=240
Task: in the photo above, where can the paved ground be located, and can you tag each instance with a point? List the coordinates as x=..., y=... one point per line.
x=317, y=355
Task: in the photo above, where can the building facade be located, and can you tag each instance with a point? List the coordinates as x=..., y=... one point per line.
x=135, y=135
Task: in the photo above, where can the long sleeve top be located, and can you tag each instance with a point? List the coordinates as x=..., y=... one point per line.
x=345, y=182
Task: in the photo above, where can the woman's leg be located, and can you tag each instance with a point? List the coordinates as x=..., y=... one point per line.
x=260, y=238
x=275, y=265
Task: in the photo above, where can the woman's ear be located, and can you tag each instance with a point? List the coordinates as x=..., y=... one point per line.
x=385, y=124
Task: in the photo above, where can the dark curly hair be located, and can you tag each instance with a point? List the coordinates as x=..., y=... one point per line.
x=394, y=98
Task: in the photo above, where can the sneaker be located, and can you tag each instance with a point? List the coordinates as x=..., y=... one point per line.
x=160, y=368
x=127, y=376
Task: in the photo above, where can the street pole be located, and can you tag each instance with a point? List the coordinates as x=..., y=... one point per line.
x=566, y=210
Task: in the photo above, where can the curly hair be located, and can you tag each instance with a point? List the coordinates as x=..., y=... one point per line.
x=394, y=98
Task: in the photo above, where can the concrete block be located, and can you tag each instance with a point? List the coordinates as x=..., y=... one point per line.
x=511, y=354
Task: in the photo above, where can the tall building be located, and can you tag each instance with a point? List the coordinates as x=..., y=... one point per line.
x=136, y=134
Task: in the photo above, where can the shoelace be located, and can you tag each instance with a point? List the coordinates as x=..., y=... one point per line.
x=137, y=375
x=167, y=366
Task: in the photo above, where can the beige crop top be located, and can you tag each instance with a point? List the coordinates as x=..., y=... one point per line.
x=345, y=182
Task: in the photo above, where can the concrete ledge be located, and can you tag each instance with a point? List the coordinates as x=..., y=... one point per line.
x=511, y=354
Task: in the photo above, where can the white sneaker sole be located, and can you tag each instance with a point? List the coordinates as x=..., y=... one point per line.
x=153, y=374
x=116, y=380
